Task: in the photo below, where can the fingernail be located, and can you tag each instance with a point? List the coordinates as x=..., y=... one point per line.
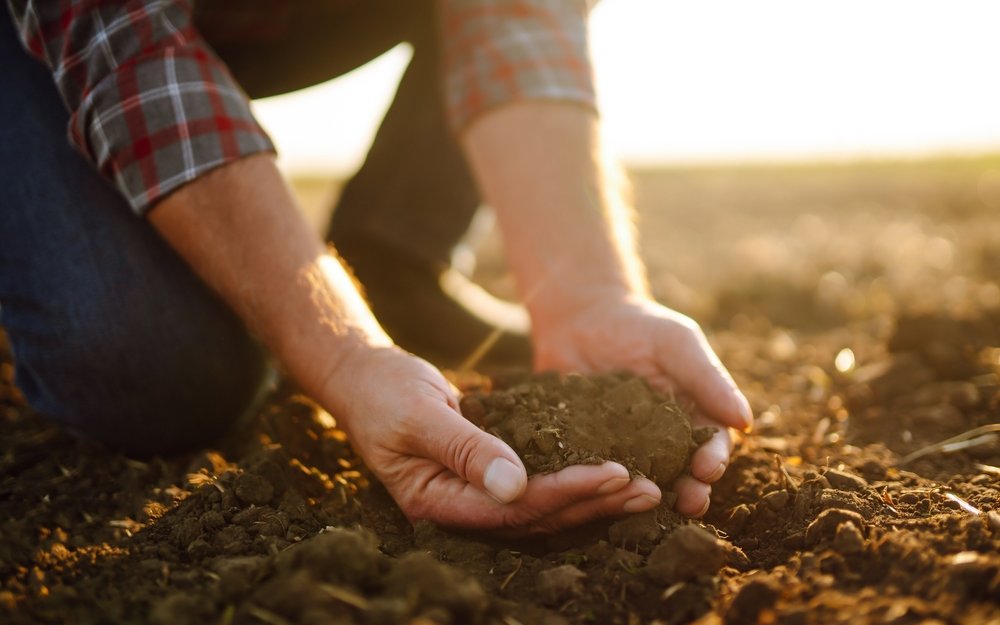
x=640, y=503
x=613, y=485
x=719, y=470
x=503, y=480
x=704, y=508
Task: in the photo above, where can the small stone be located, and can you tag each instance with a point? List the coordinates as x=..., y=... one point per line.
x=826, y=524
x=842, y=480
x=253, y=489
x=776, y=500
x=560, y=584
x=848, y=539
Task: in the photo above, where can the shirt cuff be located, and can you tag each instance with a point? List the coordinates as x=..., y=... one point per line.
x=163, y=119
x=499, y=52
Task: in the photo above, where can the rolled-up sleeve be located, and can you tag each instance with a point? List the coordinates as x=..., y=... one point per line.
x=500, y=51
x=150, y=105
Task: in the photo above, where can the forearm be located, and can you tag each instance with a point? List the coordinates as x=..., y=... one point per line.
x=566, y=228
x=239, y=229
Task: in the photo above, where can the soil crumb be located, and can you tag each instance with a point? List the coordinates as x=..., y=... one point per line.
x=555, y=421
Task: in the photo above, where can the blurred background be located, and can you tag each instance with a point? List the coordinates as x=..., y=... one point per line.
x=730, y=81
x=795, y=163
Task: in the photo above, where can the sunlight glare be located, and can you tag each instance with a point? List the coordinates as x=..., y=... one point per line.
x=725, y=80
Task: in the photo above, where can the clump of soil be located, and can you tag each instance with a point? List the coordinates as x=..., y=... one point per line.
x=554, y=421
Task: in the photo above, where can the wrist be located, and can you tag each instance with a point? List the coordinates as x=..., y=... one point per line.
x=567, y=304
x=356, y=366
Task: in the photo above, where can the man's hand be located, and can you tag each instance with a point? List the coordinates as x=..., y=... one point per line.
x=239, y=229
x=570, y=245
x=403, y=418
x=670, y=351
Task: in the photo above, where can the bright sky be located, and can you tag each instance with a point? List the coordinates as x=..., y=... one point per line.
x=732, y=80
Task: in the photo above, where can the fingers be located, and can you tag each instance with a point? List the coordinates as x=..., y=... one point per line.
x=551, y=502
x=638, y=496
x=476, y=457
x=579, y=494
x=708, y=464
x=692, y=496
x=690, y=361
x=710, y=460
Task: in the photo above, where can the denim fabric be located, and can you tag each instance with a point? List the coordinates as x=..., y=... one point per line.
x=113, y=336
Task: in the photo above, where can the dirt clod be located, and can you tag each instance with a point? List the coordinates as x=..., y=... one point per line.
x=826, y=524
x=993, y=521
x=560, y=584
x=758, y=594
x=689, y=552
x=636, y=530
x=847, y=539
x=253, y=489
x=776, y=500
x=844, y=480
x=554, y=422
x=338, y=555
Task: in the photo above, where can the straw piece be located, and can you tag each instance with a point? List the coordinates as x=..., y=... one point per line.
x=940, y=446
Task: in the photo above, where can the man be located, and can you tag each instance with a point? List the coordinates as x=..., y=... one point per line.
x=116, y=335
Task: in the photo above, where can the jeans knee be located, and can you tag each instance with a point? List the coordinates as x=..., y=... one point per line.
x=140, y=386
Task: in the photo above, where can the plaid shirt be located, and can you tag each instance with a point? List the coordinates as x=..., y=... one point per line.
x=153, y=108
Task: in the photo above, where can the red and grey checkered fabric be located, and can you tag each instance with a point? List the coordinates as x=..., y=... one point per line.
x=504, y=50
x=153, y=108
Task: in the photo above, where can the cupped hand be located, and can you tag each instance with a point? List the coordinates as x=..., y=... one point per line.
x=402, y=416
x=671, y=352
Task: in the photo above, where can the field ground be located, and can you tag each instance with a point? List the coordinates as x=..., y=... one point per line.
x=857, y=305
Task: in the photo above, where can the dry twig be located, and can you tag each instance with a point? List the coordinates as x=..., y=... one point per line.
x=974, y=437
x=517, y=567
x=963, y=504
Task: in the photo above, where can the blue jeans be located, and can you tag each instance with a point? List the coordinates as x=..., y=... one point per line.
x=113, y=336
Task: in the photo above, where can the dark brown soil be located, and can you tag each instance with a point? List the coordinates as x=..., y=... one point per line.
x=859, y=310
x=553, y=422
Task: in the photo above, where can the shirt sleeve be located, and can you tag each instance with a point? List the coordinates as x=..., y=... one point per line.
x=150, y=105
x=499, y=51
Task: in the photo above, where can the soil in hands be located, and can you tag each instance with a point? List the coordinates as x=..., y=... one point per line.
x=554, y=422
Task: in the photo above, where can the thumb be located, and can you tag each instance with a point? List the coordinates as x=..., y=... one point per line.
x=692, y=362
x=477, y=457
